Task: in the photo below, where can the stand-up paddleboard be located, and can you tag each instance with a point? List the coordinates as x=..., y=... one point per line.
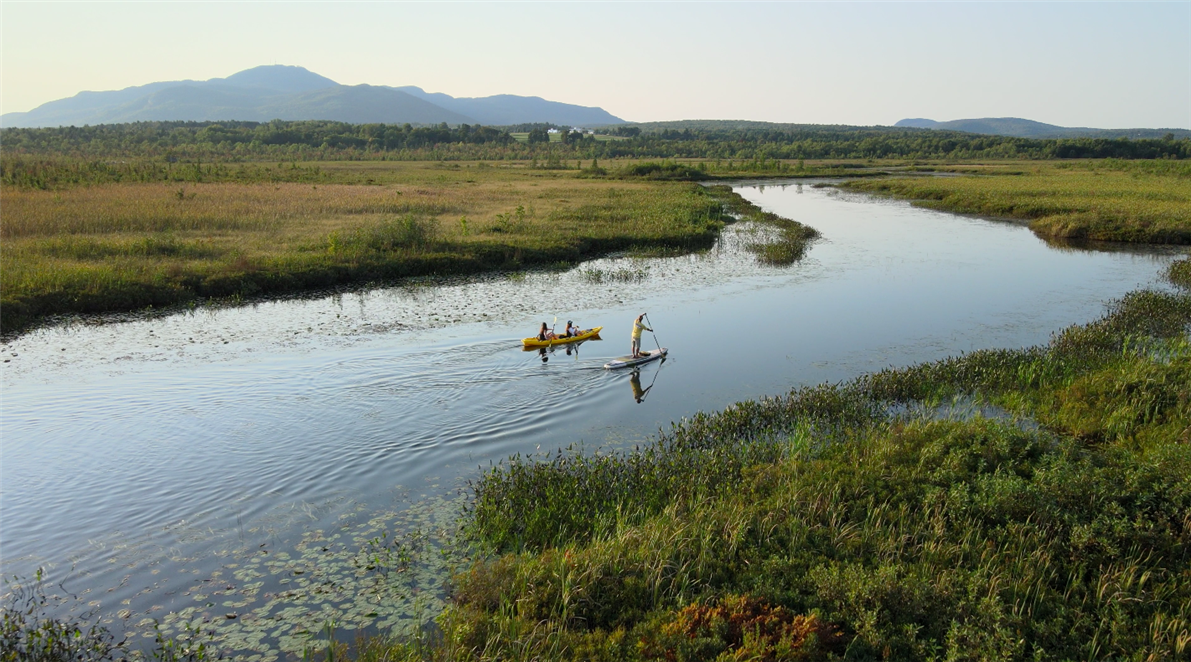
x=626, y=361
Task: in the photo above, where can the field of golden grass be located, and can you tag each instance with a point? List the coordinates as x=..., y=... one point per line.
x=1140, y=201
x=123, y=246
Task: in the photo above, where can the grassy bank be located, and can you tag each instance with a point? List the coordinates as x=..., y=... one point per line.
x=236, y=232
x=1005, y=504
x=1112, y=200
x=58, y=172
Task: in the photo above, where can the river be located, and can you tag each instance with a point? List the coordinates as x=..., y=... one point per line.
x=239, y=467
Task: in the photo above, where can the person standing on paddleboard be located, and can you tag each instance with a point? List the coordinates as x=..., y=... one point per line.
x=638, y=326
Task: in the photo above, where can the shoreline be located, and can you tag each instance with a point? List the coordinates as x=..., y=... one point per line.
x=707, y=209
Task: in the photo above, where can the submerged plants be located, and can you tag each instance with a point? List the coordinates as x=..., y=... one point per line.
x=30, y=632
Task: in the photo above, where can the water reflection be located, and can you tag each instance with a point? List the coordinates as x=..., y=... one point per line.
x=639, y=394
x=571, y=349
x=1076, y=245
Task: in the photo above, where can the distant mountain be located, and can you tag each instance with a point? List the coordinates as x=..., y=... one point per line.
x=917, y=123
x=357, y=104
x=505, y=109
x=1022, y=128
x=278, y=77
x=294, y=93
x=107, y=107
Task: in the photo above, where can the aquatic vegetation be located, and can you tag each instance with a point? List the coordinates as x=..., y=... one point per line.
x=793, y=239
x=30, y=633
x=622, y=275
x=384, y=575
x=1179, y=273
x=1102, y=201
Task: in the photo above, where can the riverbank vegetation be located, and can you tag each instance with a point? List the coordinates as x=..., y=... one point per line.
x=1003, y=504
x=1111, y=200
x=58, y=173
x=241, y=231
x=792, y=240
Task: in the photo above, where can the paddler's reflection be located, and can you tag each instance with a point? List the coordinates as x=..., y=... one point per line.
x=545, y=352
x=635, y=382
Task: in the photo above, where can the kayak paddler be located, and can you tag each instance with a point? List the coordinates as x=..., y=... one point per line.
x=638, y=327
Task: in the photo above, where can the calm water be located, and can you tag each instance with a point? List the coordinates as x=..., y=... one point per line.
x=234, y=462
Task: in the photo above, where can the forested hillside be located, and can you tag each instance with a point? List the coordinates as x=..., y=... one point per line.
x=320, y=140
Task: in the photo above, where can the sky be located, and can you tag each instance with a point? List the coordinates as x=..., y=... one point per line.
x=1094, y=64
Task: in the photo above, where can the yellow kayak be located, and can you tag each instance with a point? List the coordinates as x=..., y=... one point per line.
x=534, y=342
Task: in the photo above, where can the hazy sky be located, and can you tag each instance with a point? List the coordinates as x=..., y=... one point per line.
x=1098, y=64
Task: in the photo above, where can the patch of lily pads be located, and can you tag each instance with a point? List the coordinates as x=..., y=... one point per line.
x=387, y=574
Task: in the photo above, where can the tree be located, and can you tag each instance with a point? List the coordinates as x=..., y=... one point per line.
x=572, y=137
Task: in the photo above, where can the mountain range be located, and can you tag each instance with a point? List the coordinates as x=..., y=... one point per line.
x=294, y=93
x=1022, y=128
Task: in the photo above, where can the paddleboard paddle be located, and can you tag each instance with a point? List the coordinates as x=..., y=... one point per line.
x=655, y=336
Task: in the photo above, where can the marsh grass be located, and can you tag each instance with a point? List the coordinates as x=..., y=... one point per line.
x=623, y=275
x=59, y=172
x=125, y=246
x=793, y=238
x=1179, y=273
x=128, y=244
x=694, y=170
x=901, y=536
x=1148, y=202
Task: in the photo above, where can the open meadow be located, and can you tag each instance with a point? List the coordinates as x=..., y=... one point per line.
x=236, y=231
x=1111, y=200
x=92, y=237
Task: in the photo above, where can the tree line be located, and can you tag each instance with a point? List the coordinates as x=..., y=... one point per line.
x=325, y=140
